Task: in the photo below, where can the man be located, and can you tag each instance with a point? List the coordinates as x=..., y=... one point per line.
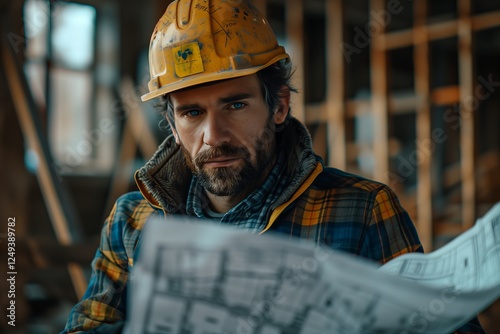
x=236, y=156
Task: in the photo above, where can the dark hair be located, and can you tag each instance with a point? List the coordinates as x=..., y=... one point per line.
x=271, y=79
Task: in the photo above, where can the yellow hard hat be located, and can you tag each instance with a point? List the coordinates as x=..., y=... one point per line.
x=199, y=41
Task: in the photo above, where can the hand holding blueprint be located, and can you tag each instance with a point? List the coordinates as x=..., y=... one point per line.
x=197, y=277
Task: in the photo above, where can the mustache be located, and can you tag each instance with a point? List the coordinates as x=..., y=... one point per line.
x=221, y=151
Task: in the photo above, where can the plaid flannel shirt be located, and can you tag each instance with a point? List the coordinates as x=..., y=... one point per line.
x=345, y=211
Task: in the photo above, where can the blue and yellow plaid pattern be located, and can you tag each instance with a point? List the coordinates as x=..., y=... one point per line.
x=344, y=211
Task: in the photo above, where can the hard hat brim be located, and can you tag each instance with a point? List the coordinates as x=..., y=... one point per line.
x=204, y=78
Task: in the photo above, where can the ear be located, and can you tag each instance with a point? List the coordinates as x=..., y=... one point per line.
x=283, y=106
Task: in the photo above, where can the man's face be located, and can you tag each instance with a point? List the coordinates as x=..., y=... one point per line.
x=226, y=133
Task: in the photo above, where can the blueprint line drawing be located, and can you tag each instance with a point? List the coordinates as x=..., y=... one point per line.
x=470, y=262
x=196, y=277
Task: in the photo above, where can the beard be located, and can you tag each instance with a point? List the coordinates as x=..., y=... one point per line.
x=229, y=181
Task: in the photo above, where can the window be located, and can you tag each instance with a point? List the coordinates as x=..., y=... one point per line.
x=71, y=65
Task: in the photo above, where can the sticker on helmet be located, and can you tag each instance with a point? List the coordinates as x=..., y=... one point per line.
x=187, y=59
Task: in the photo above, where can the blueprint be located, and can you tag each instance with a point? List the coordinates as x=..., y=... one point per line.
x=201, y=278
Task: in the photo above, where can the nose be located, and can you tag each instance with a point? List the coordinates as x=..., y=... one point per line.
x=216, y=131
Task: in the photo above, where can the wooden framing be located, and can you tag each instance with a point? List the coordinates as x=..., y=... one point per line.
x=294, y=13
x=135, y=135
x=380, y=104
x=63, y=218
x=463, y=27
x=336, y=110
x=423, y=120
x=335, y=93
x=466, y=74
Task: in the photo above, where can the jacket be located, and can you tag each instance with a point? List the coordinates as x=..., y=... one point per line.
x=322, y=204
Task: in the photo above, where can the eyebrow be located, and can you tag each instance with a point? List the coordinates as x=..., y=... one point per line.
x=222, y=100
x=186, y=107
x=235, y=97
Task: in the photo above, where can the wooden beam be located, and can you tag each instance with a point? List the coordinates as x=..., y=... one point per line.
x=136, y=135
x=320, y=113
x=404, y=38
x=486, y=21
x=122, y=171
x=47, y=178
x=445, y=96
x=397, y=39
x=136, y=119
x=358, y=107
x=403, y=103
x=439, y=30
x=467, y=111
x=379, y=87
x=447, y=228
x=316, y=113
x=487, y=162
x=62, y=215
x=295, y=40
x=442, y=30
x=319, y=139
x=423, y=120
x=335, y=85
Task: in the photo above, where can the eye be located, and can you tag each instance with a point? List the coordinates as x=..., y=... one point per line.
x=237, y=105
x=192, y=113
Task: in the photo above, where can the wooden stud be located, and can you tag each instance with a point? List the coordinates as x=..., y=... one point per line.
x=136, y=135
x=423, y=125
x=380, y=104
x=335, y=85
x=316, y=113
x=295, y=40
x=319, y=139
x=467, y=111
x=137, y=120
x=123, y=171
